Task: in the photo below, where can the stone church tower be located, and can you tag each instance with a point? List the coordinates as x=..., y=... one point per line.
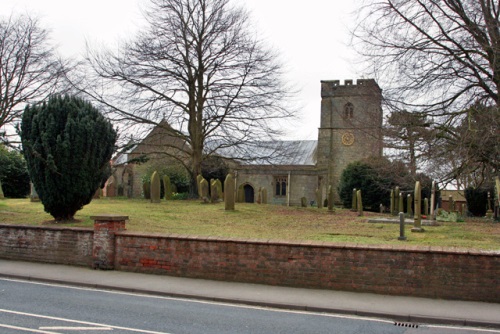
x=350, y=128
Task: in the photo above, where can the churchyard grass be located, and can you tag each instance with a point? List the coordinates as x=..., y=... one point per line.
x=253, y=221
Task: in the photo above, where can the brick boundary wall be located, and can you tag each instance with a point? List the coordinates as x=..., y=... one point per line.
x=412, y=271
x=62, y=245
x=400, y=270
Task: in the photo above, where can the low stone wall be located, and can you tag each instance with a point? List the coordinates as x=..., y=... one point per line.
x=413, y=271
x=47, y=244
x=403, y=270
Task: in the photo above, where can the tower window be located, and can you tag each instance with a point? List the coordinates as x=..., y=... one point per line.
x=348, y=110
x=280, y=185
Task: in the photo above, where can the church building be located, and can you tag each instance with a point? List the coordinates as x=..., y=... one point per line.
x=350, y=130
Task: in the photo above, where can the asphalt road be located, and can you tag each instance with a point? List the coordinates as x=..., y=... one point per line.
x=28, y=307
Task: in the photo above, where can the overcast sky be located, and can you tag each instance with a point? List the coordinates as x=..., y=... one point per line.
x=312, y=37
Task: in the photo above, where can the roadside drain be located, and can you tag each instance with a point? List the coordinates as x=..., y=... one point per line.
x=405, y=324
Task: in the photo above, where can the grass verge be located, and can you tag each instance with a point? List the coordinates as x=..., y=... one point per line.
x=252, y=221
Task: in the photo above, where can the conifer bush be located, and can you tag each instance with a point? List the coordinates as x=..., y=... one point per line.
x=67, y=145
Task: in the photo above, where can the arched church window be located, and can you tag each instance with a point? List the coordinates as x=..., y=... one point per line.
x=281, y=183
x=348, y=110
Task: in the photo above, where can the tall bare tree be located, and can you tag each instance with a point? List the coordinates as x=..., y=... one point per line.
x=29, y=67
x=438, y=57
x=198, y=69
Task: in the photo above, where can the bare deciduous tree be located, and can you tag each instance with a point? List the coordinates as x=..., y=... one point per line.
x=29, y=68
x=438, y=57
x=198, y=68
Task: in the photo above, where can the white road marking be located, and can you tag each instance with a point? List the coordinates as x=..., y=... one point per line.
x=31, y=330
x=329, y=315
x=66, y=328
x=80, y=322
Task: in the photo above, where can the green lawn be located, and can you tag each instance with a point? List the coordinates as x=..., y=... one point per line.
x=255, y=221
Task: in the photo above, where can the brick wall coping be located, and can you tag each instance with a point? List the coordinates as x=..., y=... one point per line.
x=50, y=228
x=109, y=217
x=325, y=244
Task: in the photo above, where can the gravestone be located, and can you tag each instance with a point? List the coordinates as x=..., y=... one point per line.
x=241, y=194
x=393, y=202
x=489, y=212
x=214, y=191
x=303, y=202
x=146, y=188
x=409, y=210
x=354, y=206
x=155, y=188
x=264, y=196
x=229, y=197
x=426, y=206
x=433, y=199
x=330, y=199
x=204, y=191
x=2, y=196
x=359, y=202
x=167, y=187
x=401, y=201
x=417, y=221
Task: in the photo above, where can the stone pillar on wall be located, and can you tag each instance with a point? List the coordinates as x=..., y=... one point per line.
x=105, y=227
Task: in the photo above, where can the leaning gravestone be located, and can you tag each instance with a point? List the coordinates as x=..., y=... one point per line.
x=229, y=197
x=155, y=188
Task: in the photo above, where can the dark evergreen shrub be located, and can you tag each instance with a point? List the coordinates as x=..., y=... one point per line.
x=67, y=145
x=477, y=200
x=13, y=174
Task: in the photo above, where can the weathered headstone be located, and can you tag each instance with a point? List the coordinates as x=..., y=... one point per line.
x=155, y=188
x=303, y=202
x=241, y=194
x=2, y=196
x=402, y=226
x=146, y=188
x=330, y=199
x=319, y=198
x=229, y=197
x=401, y=201
x=417, y=225
x=214, y=191
x=409, y=202
x=426, y=206
x=359, y=202
x=204, y=191
x=397, y=194
x=354, y=206
x=264, y=196
x=433, y=199
x=167, y=187
x=393, y=202
x=198, y=180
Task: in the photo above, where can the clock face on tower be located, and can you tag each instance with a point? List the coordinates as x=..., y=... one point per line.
x=347, y=139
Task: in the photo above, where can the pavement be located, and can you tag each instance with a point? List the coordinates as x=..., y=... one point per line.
x=399, y=309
